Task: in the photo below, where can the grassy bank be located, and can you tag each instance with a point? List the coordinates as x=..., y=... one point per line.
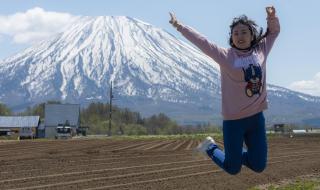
x=310, y=182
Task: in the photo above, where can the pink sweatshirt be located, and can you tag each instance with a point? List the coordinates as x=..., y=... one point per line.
x=243, y=74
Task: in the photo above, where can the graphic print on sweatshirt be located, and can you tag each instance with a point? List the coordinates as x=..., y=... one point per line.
x=252, y=73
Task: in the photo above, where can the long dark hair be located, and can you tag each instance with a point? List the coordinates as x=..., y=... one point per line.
x=256, y=32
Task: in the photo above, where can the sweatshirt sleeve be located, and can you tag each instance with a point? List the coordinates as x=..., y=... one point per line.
x=218, y=54
x=273, y=32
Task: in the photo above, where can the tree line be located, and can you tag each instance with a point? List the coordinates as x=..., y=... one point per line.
x=123, y=122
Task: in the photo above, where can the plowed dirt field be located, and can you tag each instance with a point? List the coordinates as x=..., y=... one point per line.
x=143, y=164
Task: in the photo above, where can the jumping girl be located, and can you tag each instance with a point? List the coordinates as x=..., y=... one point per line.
x=243, y=87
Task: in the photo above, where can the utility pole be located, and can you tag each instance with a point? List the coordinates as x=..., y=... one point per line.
x=110, y=109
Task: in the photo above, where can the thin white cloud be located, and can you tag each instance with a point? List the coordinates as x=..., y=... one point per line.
x=308, y=86
x=34, y=25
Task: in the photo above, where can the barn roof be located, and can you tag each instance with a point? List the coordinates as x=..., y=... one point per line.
x=19, y=121
x=59, y=113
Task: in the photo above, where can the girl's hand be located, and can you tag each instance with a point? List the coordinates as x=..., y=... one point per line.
x=271, y=11
x=173, y=20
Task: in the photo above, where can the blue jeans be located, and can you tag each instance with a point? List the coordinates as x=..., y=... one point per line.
x=250, y=130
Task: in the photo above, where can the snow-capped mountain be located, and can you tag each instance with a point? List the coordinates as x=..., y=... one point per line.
x=151, y=71
x=287, y=106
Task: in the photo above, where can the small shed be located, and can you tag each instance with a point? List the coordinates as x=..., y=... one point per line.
x=314, y=130
x=60, y=114
x=22, y=126
x=279, y=128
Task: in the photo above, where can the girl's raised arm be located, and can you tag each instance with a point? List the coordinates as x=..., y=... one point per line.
x=218, y=54
x=273, y=27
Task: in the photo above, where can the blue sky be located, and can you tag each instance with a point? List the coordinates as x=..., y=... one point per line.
x=293, y=62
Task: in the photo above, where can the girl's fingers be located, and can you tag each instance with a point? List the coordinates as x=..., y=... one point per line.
x=271, y=11
x=268, y=9
x=173, y=17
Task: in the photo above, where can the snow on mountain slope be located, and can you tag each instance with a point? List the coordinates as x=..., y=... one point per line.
x=140, y=59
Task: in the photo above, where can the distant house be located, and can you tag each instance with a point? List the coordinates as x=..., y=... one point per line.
x=21, y=126
x=279, y=128
x=60, y=114
x=314, y=130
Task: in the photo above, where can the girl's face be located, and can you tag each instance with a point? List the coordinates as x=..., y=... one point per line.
x=241, y=36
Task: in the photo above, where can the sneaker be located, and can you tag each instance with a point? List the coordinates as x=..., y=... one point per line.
x=205, y=144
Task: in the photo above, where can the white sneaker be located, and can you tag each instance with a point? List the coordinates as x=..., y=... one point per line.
x=204, y=145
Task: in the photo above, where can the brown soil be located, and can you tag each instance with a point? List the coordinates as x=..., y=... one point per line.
x=143, y=164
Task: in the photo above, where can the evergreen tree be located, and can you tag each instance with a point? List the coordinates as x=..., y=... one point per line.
x=4, y=110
